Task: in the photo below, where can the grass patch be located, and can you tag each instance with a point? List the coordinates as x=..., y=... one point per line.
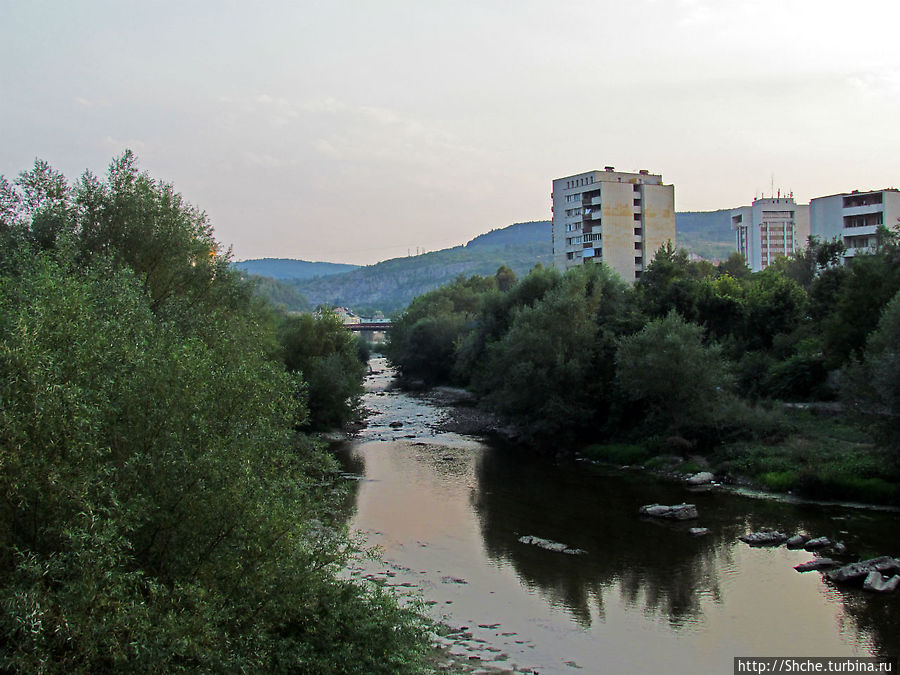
x=821, y=458
x=779, y=481
x=617, y=453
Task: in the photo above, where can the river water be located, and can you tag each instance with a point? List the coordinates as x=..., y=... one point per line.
x=447, y=512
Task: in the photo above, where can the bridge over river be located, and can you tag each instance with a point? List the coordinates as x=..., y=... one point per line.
x=369, y=326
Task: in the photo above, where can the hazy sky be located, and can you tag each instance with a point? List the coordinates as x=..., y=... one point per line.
x=358, y=131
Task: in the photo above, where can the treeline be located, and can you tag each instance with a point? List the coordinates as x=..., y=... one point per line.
x=691, y=357
x=164, y=506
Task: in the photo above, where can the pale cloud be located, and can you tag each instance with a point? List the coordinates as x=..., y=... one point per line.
x=882, y=84
x=326, y=148
x=85, y=102
x=263, y=160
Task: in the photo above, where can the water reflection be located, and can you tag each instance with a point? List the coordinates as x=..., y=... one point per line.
x=448, y=513
x=657, y=567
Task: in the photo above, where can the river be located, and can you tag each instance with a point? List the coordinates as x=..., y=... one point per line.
x=447, y=512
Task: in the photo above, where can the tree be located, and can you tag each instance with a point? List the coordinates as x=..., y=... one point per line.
x=160, y=512
x=505, y=277
x=667, y=367
x=551, y=371
x=872, y=386
x=326, y=355
x=423, y=340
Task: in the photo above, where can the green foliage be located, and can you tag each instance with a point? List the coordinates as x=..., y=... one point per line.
x=779, y=481
x=279, y=294
x=423, y=340
x=327, y=356
x=667, y=367
x=866, y=287
x=872, y=387
x=551, y=371
x=160, y=512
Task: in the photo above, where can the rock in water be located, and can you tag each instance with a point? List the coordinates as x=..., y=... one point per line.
x=797, y=541
x=701, y=478
x=675, y=512
x=889, y=567
x=817, y=564
x=698, y=531
x=858, y=570
x=877, y=583
x=764, y=538
x=549, y=545
x=817, y=543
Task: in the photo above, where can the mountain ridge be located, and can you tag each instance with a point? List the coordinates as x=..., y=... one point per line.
x=388, y=286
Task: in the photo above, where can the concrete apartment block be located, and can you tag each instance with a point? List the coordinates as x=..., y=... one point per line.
x=854, y=217
x=769, y=228
x=614, y=217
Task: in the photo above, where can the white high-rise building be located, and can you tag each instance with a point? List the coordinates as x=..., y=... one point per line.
x=609, y=216
x=854, y=217
x=770, y=227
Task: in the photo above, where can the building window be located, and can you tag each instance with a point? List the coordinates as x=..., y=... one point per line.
x=637, y=274
x=637, y=216
x=638, y=246
x=638, y=231
x=638, y=260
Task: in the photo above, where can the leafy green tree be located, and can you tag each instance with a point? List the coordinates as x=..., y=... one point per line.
x=552, y=370
x=872, y=386
x=735, y=266
x=495, y=317
x=863, y=290
x=505, y=277
x=804, y=266
x=327, y=356
x=160, y=512
x=667, y=367
x=422, y=343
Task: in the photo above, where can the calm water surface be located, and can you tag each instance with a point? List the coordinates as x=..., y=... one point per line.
x=447, y=512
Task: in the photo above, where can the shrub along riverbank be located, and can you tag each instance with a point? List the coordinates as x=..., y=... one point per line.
x=692, y=361
x=165, y=508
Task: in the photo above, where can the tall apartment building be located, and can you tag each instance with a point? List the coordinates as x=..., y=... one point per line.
x=854, y=217
x=610, y=216
x=770, y=227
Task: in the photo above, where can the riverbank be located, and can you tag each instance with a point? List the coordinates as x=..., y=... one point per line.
x=820, y=457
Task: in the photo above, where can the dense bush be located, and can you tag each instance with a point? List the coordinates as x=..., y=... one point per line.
x=328, y=358
x=160, y=512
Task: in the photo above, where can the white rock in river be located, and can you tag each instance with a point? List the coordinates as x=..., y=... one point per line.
x=549, y=545
x=675, y=512
x=817, y=543
x=701, y=478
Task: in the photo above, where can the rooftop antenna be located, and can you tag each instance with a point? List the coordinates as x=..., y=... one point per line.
x=772, y=193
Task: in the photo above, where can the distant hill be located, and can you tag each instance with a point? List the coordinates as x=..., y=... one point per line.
x=708, y=234
x=390, y=285
x=534, y=232
x=287, y=269
x=280, y=293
